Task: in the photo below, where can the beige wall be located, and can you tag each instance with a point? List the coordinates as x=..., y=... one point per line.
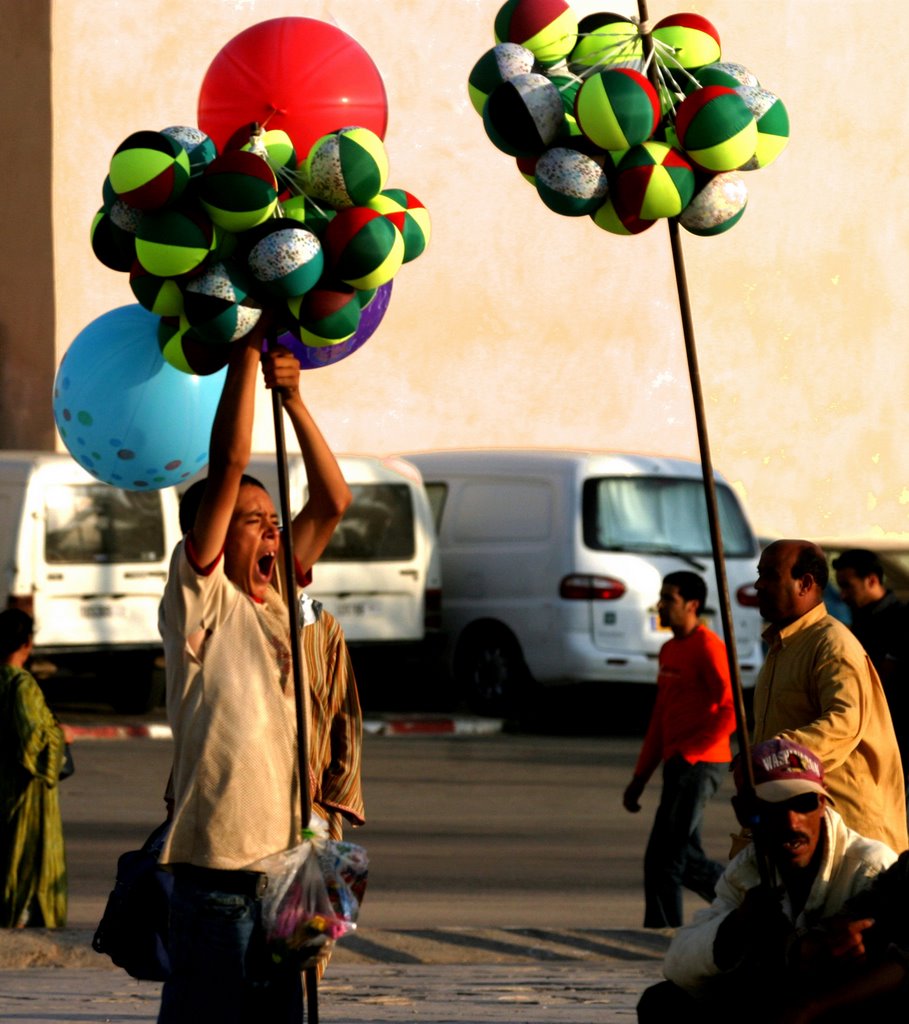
x=520, y=327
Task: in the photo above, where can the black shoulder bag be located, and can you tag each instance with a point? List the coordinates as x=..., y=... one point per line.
x=133, y=929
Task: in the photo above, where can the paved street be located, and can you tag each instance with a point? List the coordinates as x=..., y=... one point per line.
x=462, y=831
x=504, y=878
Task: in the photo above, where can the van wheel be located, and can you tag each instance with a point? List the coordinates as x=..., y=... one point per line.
x=134, y=685
x=490, y=672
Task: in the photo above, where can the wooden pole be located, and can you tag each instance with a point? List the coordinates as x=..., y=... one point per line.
x=713, y=520
x=293, y=610
x=310, y=974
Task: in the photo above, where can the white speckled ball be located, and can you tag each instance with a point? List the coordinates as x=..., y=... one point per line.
x=571, y=183
x=287, y=258
x=726, y=73
x=717, y=207
x=503, y=62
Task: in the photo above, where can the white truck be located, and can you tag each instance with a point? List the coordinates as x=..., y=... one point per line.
x=88, y=561
x=553, y=561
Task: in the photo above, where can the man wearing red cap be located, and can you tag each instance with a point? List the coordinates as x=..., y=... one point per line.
x=739, y=945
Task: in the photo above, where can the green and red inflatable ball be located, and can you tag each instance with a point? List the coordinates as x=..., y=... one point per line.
x=363, y=248
x=160, y=295
x=617, y=108
x=693, y=40
x=408, y=215
x=603, y=39
x=238, y=190
x=149, y=170
x=186, y=351
x=653, y=180
x=173, y=242
x=327, y=315
x=716, y=129
x=608, y=218
x=548, y=28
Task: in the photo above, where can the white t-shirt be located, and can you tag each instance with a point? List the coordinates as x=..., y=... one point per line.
x=230, y=703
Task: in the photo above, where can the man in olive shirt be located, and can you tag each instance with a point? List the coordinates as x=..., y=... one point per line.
x=818, y=688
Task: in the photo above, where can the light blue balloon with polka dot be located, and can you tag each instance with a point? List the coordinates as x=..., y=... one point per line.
x=124, y=413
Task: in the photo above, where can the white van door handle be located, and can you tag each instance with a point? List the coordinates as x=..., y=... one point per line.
x=151, y=574
x=412, y=573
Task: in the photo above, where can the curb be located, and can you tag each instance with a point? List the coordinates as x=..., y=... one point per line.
x=413, y=725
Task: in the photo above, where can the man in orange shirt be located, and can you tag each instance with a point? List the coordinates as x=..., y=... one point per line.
x=692, y=720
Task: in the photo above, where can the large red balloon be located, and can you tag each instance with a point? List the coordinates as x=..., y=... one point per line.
x=297, y=74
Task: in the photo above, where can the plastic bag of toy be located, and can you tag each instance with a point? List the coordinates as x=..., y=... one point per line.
x=313, y=896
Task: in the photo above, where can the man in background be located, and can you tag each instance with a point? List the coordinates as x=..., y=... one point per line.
x=881, y=623
x=818, y=688
x=688, y=733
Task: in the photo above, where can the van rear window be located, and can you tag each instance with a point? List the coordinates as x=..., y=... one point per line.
x=100, y=524
x=656, y=515
x=378, y=526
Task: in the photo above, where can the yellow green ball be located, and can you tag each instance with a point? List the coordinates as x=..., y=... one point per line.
x=548, y=28
x=716, y=129
x=772, y=122
x=605, y=39
x=652, y=180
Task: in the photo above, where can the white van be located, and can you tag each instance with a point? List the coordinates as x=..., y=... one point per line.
x=553, y=562
x=88, y=561
x=380, y=575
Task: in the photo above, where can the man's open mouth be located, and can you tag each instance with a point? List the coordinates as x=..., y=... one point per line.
x=266, y=564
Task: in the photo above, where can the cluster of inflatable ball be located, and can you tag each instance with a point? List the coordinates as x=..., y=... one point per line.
x=626, y=133
x=211, y=237
x=275, y=206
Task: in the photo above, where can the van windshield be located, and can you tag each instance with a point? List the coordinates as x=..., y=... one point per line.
x=655, y=515
x=101, y=524
x=378, y=526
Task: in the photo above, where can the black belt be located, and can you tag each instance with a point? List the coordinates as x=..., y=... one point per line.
x=243, y=883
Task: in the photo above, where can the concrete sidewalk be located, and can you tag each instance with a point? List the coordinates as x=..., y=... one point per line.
x=443, y=976
x=360, y=994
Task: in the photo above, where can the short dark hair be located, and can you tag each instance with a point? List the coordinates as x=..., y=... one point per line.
x=811, y=561
x=862, y=562
x=690, y=586
x=192, y=499
x=16, y=628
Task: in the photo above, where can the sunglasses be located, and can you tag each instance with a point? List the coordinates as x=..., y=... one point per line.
x=804, y=803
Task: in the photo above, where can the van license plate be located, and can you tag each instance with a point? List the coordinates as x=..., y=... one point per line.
x=97, y=611
x=356, y=609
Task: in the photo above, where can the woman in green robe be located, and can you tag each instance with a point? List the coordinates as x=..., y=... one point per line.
x=32, y=745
